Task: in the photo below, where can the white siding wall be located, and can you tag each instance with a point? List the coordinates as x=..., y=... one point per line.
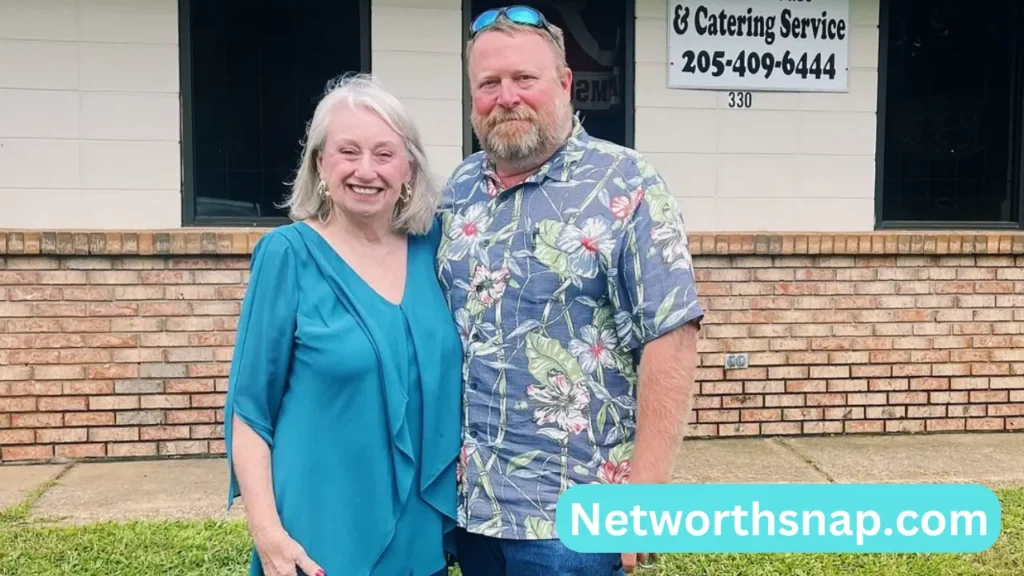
x=417, y=54
x=89, y=104
x=89, y=116
x=90, y=120
x=791, y=162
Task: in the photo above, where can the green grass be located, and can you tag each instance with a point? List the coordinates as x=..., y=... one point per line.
x=135, y=549
x=223, y=548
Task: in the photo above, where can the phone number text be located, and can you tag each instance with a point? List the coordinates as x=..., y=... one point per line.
x=804, y=65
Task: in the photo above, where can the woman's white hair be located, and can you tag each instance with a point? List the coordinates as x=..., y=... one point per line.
x=415, y=216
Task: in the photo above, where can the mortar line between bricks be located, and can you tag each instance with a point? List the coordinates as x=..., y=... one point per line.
x=807, y=459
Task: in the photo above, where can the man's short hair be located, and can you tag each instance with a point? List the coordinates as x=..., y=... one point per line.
x=556, y=37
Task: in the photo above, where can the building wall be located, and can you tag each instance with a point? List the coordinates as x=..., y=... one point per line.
x=417, y=54
x=90, y=119
x=874, y=333
x=119, y=344
x=89, y=105
x=89, y=115
x=792, y=162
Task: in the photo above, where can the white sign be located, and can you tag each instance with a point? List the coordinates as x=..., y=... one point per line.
x=782, y=45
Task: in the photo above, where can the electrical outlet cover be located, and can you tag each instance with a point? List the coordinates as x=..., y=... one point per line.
x=736, y=361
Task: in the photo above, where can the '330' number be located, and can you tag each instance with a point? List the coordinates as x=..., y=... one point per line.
x=740, y=99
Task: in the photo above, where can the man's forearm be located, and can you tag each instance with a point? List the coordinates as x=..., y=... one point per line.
x=664, y=397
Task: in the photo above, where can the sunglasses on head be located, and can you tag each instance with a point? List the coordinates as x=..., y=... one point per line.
x=523, y=15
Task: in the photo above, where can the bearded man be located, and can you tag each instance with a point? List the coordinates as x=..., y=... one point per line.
x=565, y=262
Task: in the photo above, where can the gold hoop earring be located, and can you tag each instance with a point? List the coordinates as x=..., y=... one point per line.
x=321, y=189
x=406, y=194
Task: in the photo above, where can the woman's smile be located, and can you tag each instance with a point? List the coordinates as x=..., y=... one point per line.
x=367, y=191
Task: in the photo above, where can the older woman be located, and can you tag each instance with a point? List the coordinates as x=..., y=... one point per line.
x=342, y=416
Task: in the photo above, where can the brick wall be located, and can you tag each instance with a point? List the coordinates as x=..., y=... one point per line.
x=861, y=334
x=118, y=344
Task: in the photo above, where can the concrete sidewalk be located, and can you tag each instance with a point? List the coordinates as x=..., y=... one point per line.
x=195, y=488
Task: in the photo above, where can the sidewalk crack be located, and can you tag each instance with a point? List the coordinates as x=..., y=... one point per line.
x=807, y=459
x=19, y=512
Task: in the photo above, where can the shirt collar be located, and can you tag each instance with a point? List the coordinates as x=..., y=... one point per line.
x=560, y=166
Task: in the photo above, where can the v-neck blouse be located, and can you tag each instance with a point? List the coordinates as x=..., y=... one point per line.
x=359, y=399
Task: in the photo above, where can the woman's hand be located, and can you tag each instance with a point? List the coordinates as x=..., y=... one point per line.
x=278, y=552
x=281, y=555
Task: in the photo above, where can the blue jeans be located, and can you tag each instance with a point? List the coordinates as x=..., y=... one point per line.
x=480, y=555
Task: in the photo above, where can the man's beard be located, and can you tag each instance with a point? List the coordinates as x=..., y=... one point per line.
x=520, y=137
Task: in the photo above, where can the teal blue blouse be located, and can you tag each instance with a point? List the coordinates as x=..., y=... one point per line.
x=359, y=401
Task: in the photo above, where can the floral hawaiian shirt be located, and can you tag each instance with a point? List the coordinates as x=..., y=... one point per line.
x=555, y=284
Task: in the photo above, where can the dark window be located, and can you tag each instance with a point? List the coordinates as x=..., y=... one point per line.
x=949, y=147
x=599, y=49
x=253, y=71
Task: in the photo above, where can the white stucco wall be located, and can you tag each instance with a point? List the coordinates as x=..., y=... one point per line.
x=89, y=117
x=793, y=161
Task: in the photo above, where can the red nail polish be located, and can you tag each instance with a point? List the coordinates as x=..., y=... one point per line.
x=321, y=572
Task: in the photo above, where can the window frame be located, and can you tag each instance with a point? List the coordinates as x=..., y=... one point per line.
x=187, y=150
x=1017, y=144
